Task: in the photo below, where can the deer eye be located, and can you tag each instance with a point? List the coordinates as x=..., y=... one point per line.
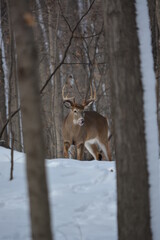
x=75, y=111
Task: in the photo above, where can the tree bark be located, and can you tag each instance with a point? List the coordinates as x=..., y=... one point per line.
x=56, y=97
x=13, y=98
x=23, y=23
x=2, y=99
x=58, y=115
x=44, y=66
x=154, y=12
x=128, y=119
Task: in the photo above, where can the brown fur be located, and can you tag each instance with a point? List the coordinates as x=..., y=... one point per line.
x=95, y=126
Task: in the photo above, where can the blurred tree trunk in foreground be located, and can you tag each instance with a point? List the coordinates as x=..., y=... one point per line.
x=22, y=24
x=128, y=118
x=154, y=12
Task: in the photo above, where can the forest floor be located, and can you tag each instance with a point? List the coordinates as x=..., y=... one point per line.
x=82, y=197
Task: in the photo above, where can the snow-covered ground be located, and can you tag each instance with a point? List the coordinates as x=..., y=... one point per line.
x=82, y=198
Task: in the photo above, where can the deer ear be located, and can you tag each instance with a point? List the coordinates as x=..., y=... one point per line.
x=67, y=105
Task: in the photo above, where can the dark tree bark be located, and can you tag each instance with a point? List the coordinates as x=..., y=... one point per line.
x=22, y=23
x=128, y=118
x=154, y=13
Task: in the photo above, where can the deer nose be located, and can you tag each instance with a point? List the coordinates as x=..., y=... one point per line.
x=81, y=121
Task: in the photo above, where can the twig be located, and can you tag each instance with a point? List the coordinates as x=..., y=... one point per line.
x=12, y=158
x=65, y=19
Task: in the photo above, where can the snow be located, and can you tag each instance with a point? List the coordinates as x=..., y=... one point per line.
x=150, y=111
x=82, y=197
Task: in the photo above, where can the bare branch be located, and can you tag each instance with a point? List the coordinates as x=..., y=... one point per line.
x=65, y=19
x=66, y=51
x=8, y=120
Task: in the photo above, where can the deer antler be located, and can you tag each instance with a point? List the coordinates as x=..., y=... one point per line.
x=70, y=100
x=92, y=97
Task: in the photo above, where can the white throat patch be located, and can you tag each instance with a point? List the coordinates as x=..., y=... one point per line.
x=75, y=122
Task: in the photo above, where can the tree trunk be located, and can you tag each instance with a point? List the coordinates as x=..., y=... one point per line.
x=154, y=24
x=56, y=98
x=22, y=23
x=44, y=66
x=128, y=118
x=13, y=98
x=58, y=115
x=2, y=100
x=4, y=70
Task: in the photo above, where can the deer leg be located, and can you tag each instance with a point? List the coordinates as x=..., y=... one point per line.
x=96, y=152
x=80, y=150
x=65, y=149
x=106, y=150
x=93, y=150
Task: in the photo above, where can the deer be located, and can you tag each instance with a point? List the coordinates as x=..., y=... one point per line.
x=85, y=129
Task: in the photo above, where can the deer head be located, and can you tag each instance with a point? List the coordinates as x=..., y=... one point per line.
x=78, y=110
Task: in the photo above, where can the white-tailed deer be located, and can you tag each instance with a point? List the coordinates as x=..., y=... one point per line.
x=85, y=128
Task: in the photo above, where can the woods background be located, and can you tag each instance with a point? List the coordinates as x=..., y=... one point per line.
x=67, y=43
x=71, y=44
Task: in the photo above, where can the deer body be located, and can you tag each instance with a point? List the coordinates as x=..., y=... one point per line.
x=85, y=129
x=92, y=134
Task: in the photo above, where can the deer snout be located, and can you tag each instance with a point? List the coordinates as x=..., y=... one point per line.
x=81, y=121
